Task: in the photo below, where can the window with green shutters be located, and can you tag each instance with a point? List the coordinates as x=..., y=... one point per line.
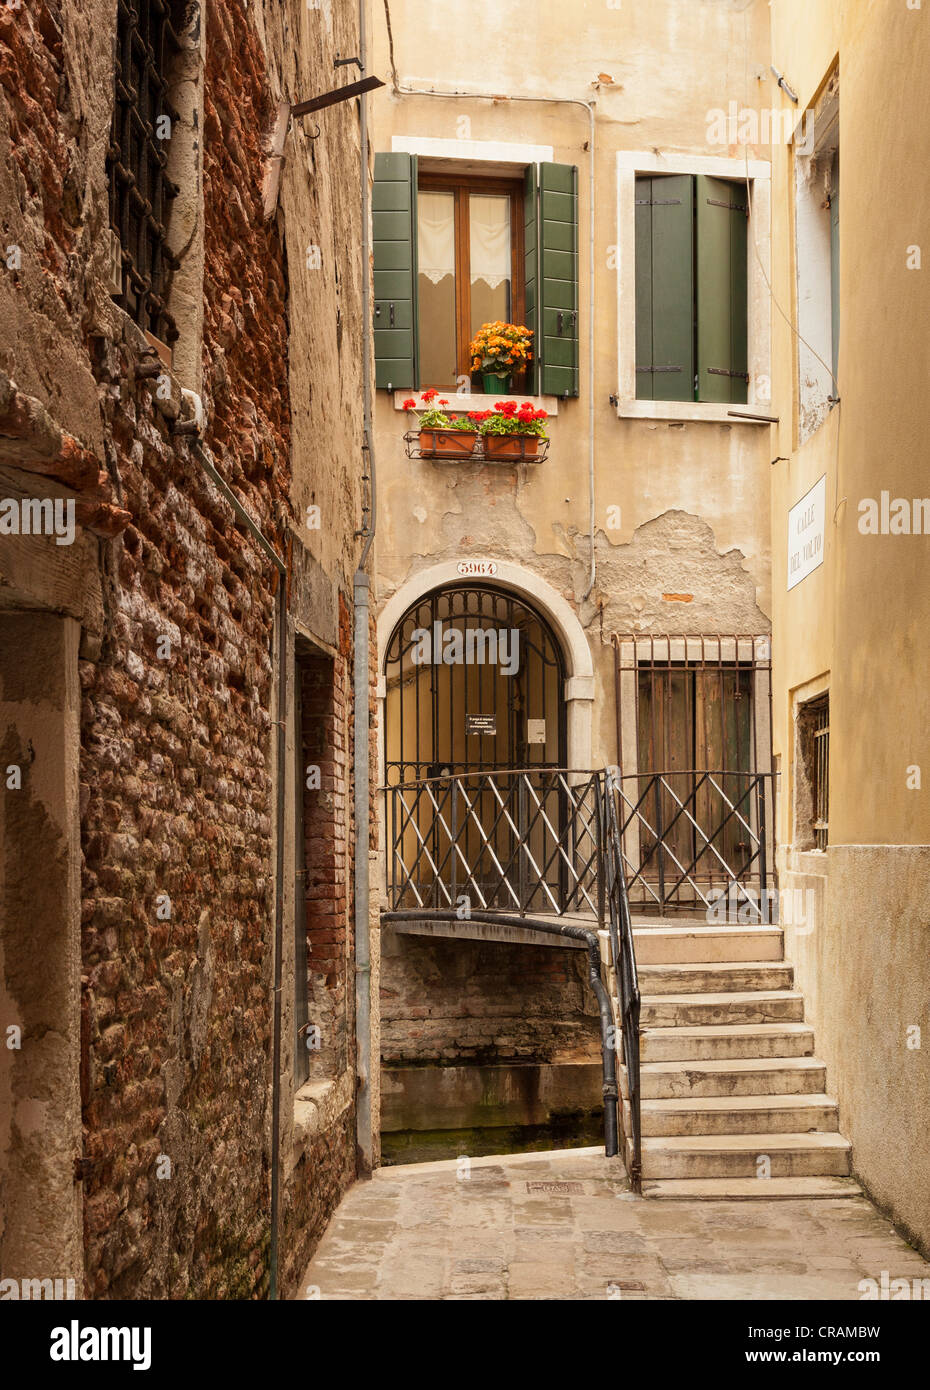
x=691, y=301
x=394, y=234
x=430, y=286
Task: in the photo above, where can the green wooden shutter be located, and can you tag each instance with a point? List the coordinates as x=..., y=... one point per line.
x=557, y=303
x=721, y=289
x=664, y=251
x=531, y=268
x=394, y=242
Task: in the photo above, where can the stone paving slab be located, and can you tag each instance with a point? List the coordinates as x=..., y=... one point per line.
x=483, y=1229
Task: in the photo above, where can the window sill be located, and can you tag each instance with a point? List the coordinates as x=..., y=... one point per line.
x=460, y=402
x=318, y=1105
x=686, y=411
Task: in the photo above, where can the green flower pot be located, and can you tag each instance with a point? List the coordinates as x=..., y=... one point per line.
x=494, y=383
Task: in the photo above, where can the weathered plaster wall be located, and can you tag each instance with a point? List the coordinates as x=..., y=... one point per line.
x=40, y=961
x=855, y=625
x=681, y=506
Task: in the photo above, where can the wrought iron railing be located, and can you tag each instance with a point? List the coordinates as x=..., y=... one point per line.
x=529, y=845
x=515, y=841
x=695, y=838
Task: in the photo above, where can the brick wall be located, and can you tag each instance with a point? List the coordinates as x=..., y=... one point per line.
x=460, y=1002
x=176, y=736
x=327, y=856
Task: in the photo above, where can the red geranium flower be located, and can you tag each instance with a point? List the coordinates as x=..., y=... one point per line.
x=410, y=404
x=430, y=395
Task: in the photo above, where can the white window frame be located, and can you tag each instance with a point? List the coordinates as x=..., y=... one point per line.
x=630, y=163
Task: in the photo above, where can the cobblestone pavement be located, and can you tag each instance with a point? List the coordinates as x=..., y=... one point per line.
x=429, y=1231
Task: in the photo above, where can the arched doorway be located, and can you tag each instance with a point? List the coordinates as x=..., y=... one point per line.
x=473, y=681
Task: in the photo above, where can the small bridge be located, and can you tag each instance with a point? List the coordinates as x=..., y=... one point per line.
x=525, y=855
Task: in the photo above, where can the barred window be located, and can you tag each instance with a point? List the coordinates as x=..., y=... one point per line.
x=147, y=43
x=813, y=781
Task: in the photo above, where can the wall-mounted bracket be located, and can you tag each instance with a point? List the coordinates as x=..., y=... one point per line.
x=354, y=89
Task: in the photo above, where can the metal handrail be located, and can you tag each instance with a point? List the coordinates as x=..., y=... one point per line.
x=623, y=956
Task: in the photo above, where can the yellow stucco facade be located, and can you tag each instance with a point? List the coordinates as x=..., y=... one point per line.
x=691, y=514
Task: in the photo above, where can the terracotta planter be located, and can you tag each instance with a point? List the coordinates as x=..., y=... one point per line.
x=447, y=444
x=511, y=446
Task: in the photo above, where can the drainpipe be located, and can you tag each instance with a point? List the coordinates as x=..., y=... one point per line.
x=362, y=689
x=280, y=643
x=589, y=106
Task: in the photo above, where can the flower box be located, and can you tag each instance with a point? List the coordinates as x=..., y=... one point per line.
x=447, y=444
x=511, y=446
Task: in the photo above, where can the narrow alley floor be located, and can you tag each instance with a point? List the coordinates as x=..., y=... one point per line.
x=496, y=1228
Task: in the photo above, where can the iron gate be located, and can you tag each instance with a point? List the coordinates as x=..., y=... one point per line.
x=474, y=681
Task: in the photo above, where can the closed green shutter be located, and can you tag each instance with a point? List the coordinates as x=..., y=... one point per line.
x=394, y=236
x=557, y=300
x=531, y=268
x=664, y=252
x=721, y=289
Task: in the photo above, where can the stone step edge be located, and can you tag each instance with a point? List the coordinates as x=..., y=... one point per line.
x=809, y=1100
x=747, y=1189
x=716, y=1066
x=748, y=1143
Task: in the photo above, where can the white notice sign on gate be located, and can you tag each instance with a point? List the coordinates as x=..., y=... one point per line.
x=806, y=526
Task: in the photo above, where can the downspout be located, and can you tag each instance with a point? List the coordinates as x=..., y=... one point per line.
x=361, y=684
x=589, y=106
x=280, y=643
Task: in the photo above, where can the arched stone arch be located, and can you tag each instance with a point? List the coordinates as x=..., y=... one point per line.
x=525, y=584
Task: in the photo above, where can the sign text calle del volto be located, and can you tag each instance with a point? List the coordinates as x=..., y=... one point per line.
x=806, y=522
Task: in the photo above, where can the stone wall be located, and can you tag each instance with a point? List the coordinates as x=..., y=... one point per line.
x=469, y=1002
x=176, y=769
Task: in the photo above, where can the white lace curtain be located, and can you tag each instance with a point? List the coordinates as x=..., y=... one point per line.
x=489, y=218
x=489, y=228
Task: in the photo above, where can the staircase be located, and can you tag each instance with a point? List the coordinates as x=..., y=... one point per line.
x=734, y=1101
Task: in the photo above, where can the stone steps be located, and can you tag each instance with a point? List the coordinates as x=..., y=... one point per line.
x=690, y=942
x=703, y=978
x=741, y=1076
x=747, y=1189
x=718, y=1042
x=734, y=1101
x=743, y=1156
x=746, y=1006
x=760, y=1114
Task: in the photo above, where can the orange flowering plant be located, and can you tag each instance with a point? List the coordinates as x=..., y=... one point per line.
x=501, y=348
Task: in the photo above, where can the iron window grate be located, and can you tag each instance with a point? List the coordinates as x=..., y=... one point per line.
x=821, y=772
x=140, y=190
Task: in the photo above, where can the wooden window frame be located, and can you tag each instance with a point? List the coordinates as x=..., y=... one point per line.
x=462, y=186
